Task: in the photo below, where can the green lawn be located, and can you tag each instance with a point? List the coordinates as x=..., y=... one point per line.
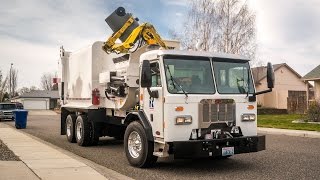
x=284, y=121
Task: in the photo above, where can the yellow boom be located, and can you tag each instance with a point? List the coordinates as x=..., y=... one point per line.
x=145, y=31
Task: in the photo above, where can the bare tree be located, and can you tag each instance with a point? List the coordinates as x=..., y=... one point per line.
x=33, y=88
x=226, y=26
x=27, y=89
x=24, y=90
x=13, y=81
x=46, y=81
x=3, y=86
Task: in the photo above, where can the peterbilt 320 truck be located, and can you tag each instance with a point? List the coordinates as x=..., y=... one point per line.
x=161, y=100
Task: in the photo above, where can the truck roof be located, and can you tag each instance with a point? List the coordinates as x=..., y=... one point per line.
x=154, y=53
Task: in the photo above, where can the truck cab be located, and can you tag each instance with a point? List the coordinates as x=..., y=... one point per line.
x=6, y=111
x=194, y=98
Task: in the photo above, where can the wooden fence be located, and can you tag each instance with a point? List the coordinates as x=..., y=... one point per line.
x=297, y=102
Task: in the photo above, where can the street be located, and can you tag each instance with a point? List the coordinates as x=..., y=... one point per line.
x=286, y=157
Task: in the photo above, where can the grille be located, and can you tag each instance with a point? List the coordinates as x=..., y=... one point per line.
x=7, y=113
x=215, y=110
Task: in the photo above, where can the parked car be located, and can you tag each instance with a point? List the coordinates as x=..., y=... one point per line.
x=6, y=110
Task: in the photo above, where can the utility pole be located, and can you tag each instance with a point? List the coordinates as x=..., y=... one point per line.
x=10, y=82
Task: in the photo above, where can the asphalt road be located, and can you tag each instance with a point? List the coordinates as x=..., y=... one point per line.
x=286, y=157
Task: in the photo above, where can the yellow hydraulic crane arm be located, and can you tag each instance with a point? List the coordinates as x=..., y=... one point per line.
x=145, y=31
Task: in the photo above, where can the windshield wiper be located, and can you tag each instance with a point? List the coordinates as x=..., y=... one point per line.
x=175, y=82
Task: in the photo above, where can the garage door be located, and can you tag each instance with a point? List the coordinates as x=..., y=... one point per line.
x=35, y=104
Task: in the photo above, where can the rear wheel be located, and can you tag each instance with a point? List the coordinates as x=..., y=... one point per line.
x=139, y=150
x=83, y=131
x=95, y=133
x=70, y=125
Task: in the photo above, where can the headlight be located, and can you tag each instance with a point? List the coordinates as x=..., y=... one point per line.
x=183, y=120
x=248, y=117
x=1, y=112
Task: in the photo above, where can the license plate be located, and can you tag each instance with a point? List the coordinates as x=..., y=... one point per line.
x=227, y=151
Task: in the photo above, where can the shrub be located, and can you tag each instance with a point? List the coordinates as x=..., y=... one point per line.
x=313, y=112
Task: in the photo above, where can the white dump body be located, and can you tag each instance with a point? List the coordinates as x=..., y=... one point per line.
x=80, y=73
x=90, y=67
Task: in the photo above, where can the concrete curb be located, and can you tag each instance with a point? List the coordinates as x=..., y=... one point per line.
x=86, y=164
x=289, y=132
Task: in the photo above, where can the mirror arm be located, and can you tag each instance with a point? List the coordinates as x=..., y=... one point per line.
x=262, y=92
x=153, y=94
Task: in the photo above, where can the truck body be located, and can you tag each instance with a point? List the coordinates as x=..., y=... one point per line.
x=162, y=102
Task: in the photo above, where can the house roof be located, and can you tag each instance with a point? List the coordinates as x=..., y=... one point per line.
x=259, y=73
x=313, y=75
x=40, y=94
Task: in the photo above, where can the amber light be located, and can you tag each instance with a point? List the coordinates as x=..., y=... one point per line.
x=141, y=97
x=179, y=108
x=250, y=107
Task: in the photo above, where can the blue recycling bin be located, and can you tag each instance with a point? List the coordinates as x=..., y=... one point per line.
x=20, y=117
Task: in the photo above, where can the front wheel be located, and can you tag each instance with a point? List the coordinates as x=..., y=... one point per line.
x=139, y=150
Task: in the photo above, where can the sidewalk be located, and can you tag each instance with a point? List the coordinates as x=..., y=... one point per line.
x=289, y=132
x=12, y=170
x=40, y=161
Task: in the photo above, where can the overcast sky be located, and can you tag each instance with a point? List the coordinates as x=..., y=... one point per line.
x=31, y=31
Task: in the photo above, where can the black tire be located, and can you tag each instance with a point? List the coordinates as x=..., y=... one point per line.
x=82, y=127
x=145, y=158
x=94, y=141
x=71, y=121
x=95, y=133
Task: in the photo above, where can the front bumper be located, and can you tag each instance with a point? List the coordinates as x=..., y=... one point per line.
x=213, y=147
x=6, y=116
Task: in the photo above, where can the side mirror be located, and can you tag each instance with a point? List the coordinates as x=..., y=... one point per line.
x=270, y=76
x=145, y=79
x=270, y=82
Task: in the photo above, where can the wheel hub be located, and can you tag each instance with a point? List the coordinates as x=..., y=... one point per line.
x=68, y=128
x=79, y=130
x=134, y=144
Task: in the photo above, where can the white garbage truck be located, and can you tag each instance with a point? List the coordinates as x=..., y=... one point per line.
x=162, y=101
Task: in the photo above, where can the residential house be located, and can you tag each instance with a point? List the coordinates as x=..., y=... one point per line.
x=314, y=76
x=38, y=99
x=289, y=89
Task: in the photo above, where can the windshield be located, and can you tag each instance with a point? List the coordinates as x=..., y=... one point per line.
x=233, y=77
x=189, y=75
x=7, y=106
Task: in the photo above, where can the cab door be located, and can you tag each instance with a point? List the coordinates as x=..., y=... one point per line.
x=153, y=106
